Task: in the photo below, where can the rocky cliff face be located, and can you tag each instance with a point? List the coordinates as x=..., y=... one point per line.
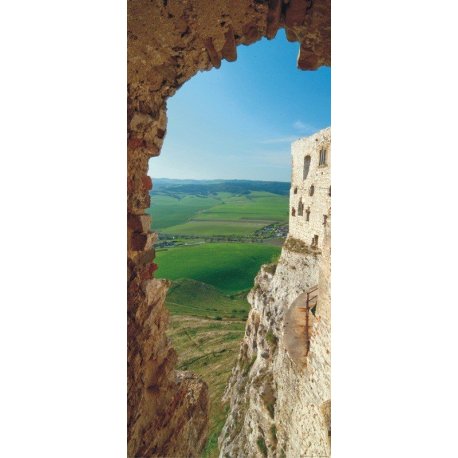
x=167, y=409
x=280, y=405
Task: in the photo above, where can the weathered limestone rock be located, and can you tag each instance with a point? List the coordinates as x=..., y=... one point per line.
x=273, y=399
x=168, y=42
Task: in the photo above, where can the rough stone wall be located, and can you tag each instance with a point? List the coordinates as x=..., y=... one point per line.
x=324, y=285
x=168, y=42
x=274, y=401
x=319, y=176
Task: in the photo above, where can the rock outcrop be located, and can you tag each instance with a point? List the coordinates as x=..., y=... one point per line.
x=168, y=409
x=280, y=403
x=168, y=42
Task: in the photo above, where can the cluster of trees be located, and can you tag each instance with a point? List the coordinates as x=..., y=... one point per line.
x=176, y=188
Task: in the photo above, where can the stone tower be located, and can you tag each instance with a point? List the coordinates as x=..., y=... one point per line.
x=310, y=194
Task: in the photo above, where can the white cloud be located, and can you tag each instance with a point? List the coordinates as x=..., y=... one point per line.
x=303, y=127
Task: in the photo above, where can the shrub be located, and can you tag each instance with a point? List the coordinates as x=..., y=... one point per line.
x=262, y=445
x=298, y=246
x=270, y=268
x=273, y=433
x=272, y=339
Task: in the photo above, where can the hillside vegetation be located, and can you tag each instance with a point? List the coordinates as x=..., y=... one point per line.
x=208, y=348
x=194, y=298
x=213, y=238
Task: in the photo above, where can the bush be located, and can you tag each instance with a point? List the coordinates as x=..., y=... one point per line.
x=273, y=433
x=270, y=268
x=297, y=246
x=262, y=445
x=272, y=339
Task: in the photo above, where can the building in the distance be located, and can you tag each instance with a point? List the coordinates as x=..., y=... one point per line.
x=310, y=194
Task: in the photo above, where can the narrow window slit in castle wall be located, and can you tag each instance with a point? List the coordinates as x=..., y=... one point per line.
x=300, y=209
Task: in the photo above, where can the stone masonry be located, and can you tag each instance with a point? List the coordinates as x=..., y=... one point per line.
x=310, y=195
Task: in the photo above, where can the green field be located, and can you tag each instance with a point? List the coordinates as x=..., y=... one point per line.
x=212, y=228
x=230, y=267
x=190, y=297
x=221, y=213
x=263, y=206
x=169, y=211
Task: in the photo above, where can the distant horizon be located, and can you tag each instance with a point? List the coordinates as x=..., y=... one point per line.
x=220, y=179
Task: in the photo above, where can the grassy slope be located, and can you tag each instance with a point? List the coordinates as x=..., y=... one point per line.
x=190, y=297
x=208, y=348
x=220, y=214
x=205, y=346
x=230, y=267
x=169, y=211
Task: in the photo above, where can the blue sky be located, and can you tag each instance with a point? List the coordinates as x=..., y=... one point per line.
x=239, y=121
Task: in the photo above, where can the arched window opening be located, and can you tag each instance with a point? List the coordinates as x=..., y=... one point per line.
x=322, y=157
x=307, y=160
x=315, y=241
x=146, y=135
x=312, y=190
x=307, y=214
x=325, y=219
x=329, y=192
x=300, y=210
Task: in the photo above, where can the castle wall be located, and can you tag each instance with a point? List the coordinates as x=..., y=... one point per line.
x=317, y=206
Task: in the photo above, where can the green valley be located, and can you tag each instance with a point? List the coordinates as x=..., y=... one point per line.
x=213, y=238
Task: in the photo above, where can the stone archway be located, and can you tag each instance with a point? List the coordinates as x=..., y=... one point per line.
x=168, y=42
